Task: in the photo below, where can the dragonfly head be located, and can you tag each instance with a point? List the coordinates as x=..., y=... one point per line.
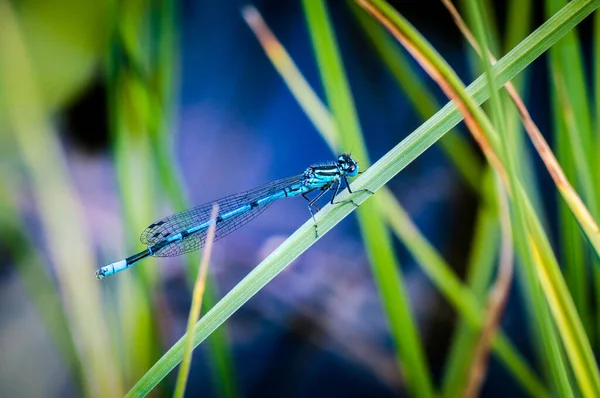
x=347, y=165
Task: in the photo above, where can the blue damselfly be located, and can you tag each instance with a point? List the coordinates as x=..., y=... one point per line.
x=186, y=231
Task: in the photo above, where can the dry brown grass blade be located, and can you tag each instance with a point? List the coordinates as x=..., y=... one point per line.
x=499, y=294
x=496, y=301
x=462, y=26
x=555, y=291
x=470, y=120
x=572, y=198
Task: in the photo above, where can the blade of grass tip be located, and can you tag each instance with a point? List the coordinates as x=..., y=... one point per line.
x=433, y=264
x=497, y=299
x=459, y=151
x=157, y=96
x=307, y=99
x=184, y=369
x=373, y=179
x=67, y=239
x=386, y=270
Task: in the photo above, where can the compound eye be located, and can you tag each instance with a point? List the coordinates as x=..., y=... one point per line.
x=341, y=160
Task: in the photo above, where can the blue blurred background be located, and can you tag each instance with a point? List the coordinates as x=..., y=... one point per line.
x=230, y=124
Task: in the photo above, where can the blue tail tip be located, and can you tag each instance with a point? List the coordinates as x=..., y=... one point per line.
x=99, y=274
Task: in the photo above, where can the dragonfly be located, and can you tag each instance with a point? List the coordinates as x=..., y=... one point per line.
x=186, y=231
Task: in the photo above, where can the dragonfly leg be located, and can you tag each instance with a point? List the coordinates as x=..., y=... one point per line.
x=360, y=190
x=310, y=200
x=350, y=191
x=337, y=190
x=312, y=203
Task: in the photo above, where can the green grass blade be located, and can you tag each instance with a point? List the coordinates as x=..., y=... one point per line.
x=62, y=227
x=519, y=13
x=576, y=344
x=518, y=22
x=569, y=76
x=386, y=270
x=576, y=269
x=127, y=105
x=538, y=253
x=507, y=150
x=570, y=90
x=596, y=77
x=460, y=296
x=222, y=368
x=479, y=273
x=596, y=166
x=30, y=268
x=458, y=150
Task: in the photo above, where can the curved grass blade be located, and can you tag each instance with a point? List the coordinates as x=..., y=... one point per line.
x=386, y=271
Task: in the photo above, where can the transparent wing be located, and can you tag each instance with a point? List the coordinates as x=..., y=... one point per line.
x=176, y=223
